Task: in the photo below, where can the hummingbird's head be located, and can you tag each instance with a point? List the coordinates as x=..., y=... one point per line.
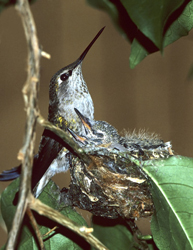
x=96, y=133
x=68, y=90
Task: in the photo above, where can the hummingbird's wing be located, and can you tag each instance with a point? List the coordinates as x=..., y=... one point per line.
x=49, y=149
x=50, y=146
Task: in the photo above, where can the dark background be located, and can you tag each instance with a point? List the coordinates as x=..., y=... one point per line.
x=155, y=95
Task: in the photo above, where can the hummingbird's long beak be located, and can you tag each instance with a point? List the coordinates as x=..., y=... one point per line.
x=80, y=59
x=77, y=137
x=84, y=120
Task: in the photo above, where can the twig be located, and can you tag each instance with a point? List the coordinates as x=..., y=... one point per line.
x=45, y=55
x=30, y=90
x=56, y=216
x=35, y=227
x=50, y=231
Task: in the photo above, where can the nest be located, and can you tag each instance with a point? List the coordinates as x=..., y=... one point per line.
x=109, y=186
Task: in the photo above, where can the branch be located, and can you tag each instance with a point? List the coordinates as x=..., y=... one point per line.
x=56, y=216
x=35, y=227
x=30, y=90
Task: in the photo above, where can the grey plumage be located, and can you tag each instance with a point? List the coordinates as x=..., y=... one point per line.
x=67, y=90
x=141, y=144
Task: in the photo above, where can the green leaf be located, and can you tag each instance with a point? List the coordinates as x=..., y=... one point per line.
x=61, y=238
x=150, y=16
x=138, y=53
x=148, y=25
x=179, y=24
x=7, y=208
x=172, y=191
x=114, y=234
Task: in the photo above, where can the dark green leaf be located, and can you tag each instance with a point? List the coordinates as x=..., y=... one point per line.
x=150, y=16
x=179, y=24
x=182, y=23
x=172, y=191
x=61, y=238
x=114, y=234
x=7, y=208
x=148, y=25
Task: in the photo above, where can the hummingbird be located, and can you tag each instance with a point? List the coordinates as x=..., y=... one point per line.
x=67, y=90
x=102, y=134
x=145, y=145
x=95, y=133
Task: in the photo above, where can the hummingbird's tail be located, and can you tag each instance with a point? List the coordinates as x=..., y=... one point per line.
x=11, y=174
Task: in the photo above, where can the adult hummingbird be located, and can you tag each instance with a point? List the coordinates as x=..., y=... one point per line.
x=67, y=90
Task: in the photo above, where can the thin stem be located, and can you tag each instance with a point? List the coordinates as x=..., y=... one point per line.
x=56, y=216
x=35, y=227
x=30, y=90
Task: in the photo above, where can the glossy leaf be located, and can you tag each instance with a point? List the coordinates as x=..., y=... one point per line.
x=172, y=191
x=150, y=16
x=114, y=234
x=61, y=238
x=148, y=25
x=181, y=23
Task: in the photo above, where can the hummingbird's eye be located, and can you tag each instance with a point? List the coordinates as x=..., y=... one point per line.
x=65, y=76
